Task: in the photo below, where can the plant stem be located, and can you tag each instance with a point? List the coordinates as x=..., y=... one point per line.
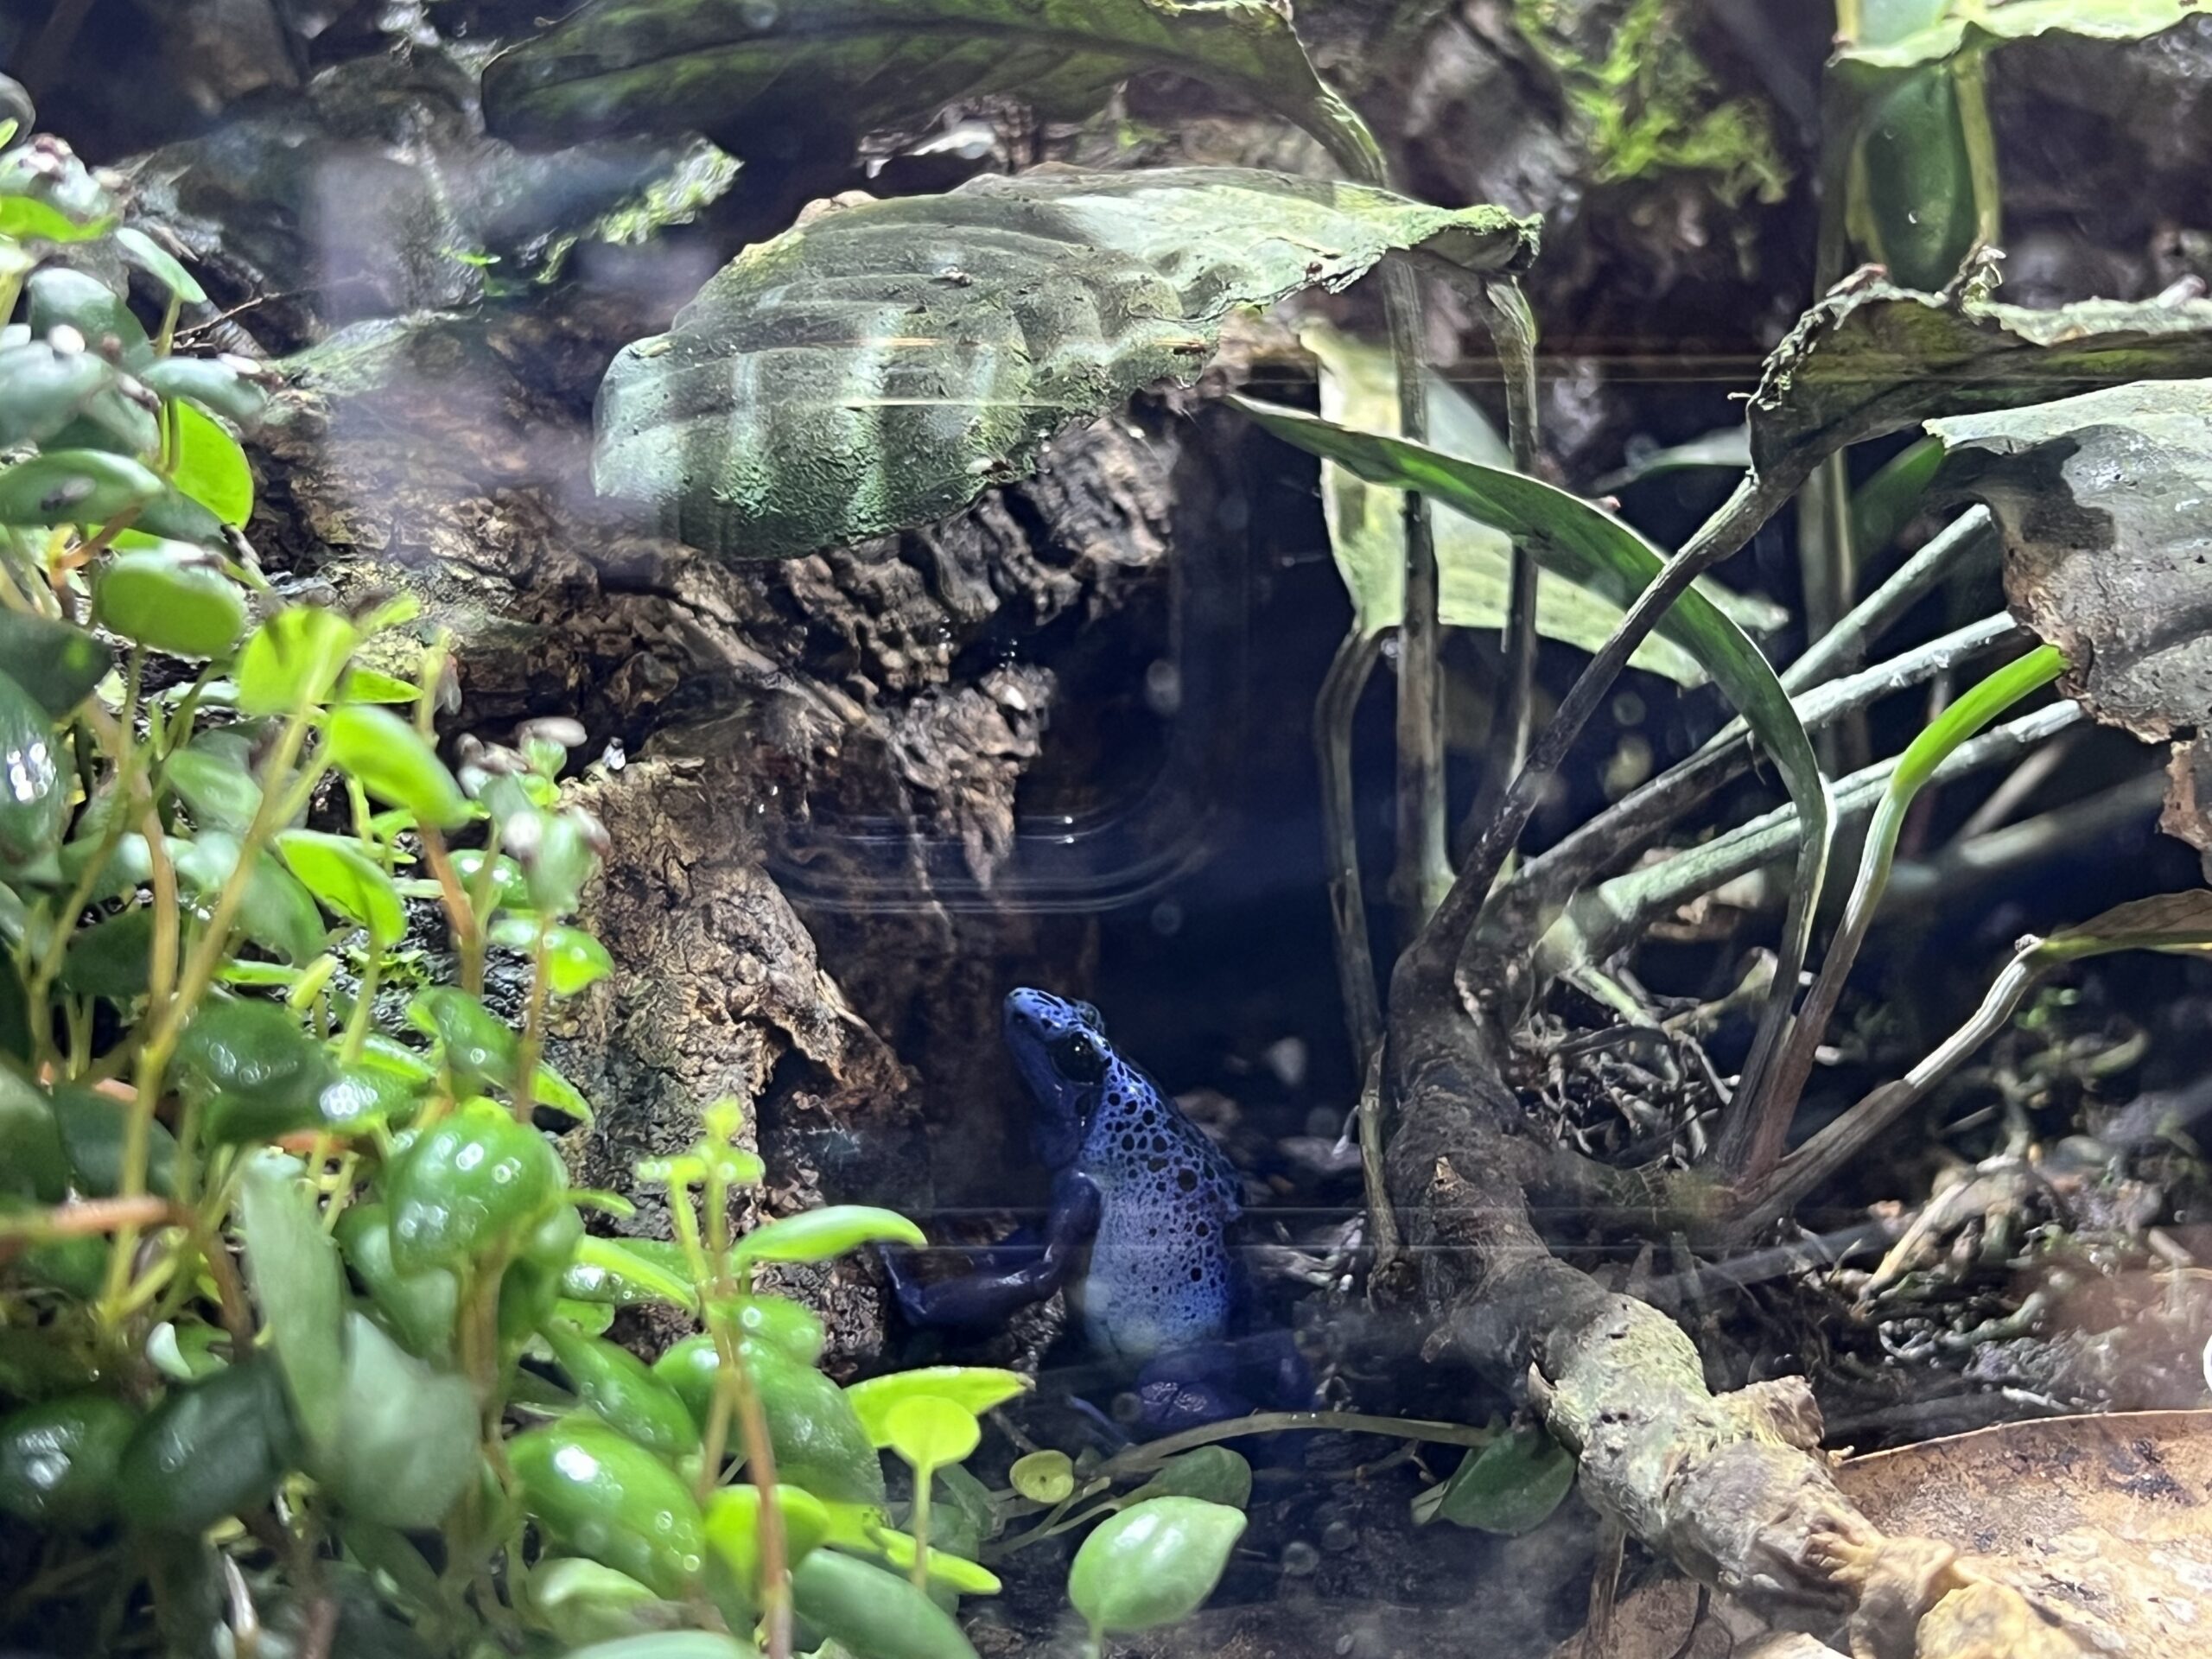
x=1753, y=1131
x=1513, y=334
x=918, y=1524
x=1423, y=867
x=1333, y=711
x=1430, y=962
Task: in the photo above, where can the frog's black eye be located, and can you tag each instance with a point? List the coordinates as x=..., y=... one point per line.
x=1078, y=1058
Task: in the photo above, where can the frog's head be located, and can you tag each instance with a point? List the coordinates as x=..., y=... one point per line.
x=1061, y=1050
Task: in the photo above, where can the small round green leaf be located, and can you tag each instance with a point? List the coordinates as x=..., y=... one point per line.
x=220, y=791
x=584, y=1602
x=1043, y=1476
x=75, y=486
x=34, y=790
x=44, y=388
x=617, y=1386
x=394, y=763
x=404, y=1444
x=1212, y=1472
x=251, y=1069
x=61, y=295
x=58, y=1459
x=734, y=1527
x=346, y=880
x=1153, y=1563
x=111, y=958
x=58, y=664
x=474, y=1178
x=479, y=1049
x=974, y=1388
x=275, y=911
x=624, y=1272
x=213, y=1449
x=876, y=1614
x=818, y=1443
x=298, y=1287
x=598, y=1495
x=93, y=1135
x=211, y=468
x=293, y=660
x=929, y=1430
x=172, y=598
x=419, y=1307
x=1509, y=1486
x=148, y=256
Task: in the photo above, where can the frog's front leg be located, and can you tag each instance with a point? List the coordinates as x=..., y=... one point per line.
x=991, y=1295
x=1191, y=1387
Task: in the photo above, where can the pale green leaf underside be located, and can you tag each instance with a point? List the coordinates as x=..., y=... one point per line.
x=1473, y=560
x=882, y=366
x=729, y=67
x=1973, y=22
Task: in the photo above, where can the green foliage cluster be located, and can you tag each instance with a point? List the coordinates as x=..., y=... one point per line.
x=303, y=1339
x=1647, y=101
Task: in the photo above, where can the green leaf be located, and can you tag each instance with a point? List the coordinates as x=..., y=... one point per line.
x=112, y=958
x=219, y=789
x=581, y=1601
x=92, y=1128
x=946, y=1569
x=818, y=1441
x=214, y=1449
x=1367, y=528
x=173, y=598
x=773, y=419
x=33, y=1164
x=141, y=251
x=30, y=220
x=34, y=804
x=574, y=960
x=347, y=880
x=733, y=1529
x=598, y=1495
x=253, y=1072
x=76, y=487
x=473, y=1179
x=276, y=912
x=59, y=1459
x=395, y=764
x=830, y=1231
x=293, y=659
x=974, y=1388
x=404, y=1445
x=298, y=1290
x=1565, y=533
x=43, y=389
x=211, y=468
x=1980, y=25
x=626, y=1272
x=731, y=70
x=1153, y=1563
x=1509, y=1486
x=480, y=1050
x=1043, y=1476
x=60, y=295
x=929, y=1431
x=667, y=1644
x=876, y=1614
x=1212, y=1472
x=1887, y=502
x=617, y=1386
x=420, y=1307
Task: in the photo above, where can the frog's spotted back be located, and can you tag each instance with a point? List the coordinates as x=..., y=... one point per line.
x=1162, y=1268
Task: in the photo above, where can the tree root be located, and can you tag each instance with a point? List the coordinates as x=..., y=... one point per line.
x=1733, y=1487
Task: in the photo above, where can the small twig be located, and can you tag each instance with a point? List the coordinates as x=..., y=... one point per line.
x=1513, y=333
x=1603, y=919
x=1334, y=710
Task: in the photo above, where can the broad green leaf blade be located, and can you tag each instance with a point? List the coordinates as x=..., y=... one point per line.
x=1153, y=1563
x=1043, y=1476
x=1212, y=1472
x=1872, y=358
x=1367, y=531
x=211, y=468
x=395, y=763
x=872, y=1612
x=298, y=1287
x=1509, y=1486
x=293, y=659
x=1973, y=25
x=736, y=67
x=929, y=1430
x=882, y=366
x=1568, y=534
x=973, y=1387
x=171, y=597
x=337, y=872
x=34, y=805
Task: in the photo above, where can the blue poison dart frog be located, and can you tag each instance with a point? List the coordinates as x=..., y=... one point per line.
x=1140, y=1230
